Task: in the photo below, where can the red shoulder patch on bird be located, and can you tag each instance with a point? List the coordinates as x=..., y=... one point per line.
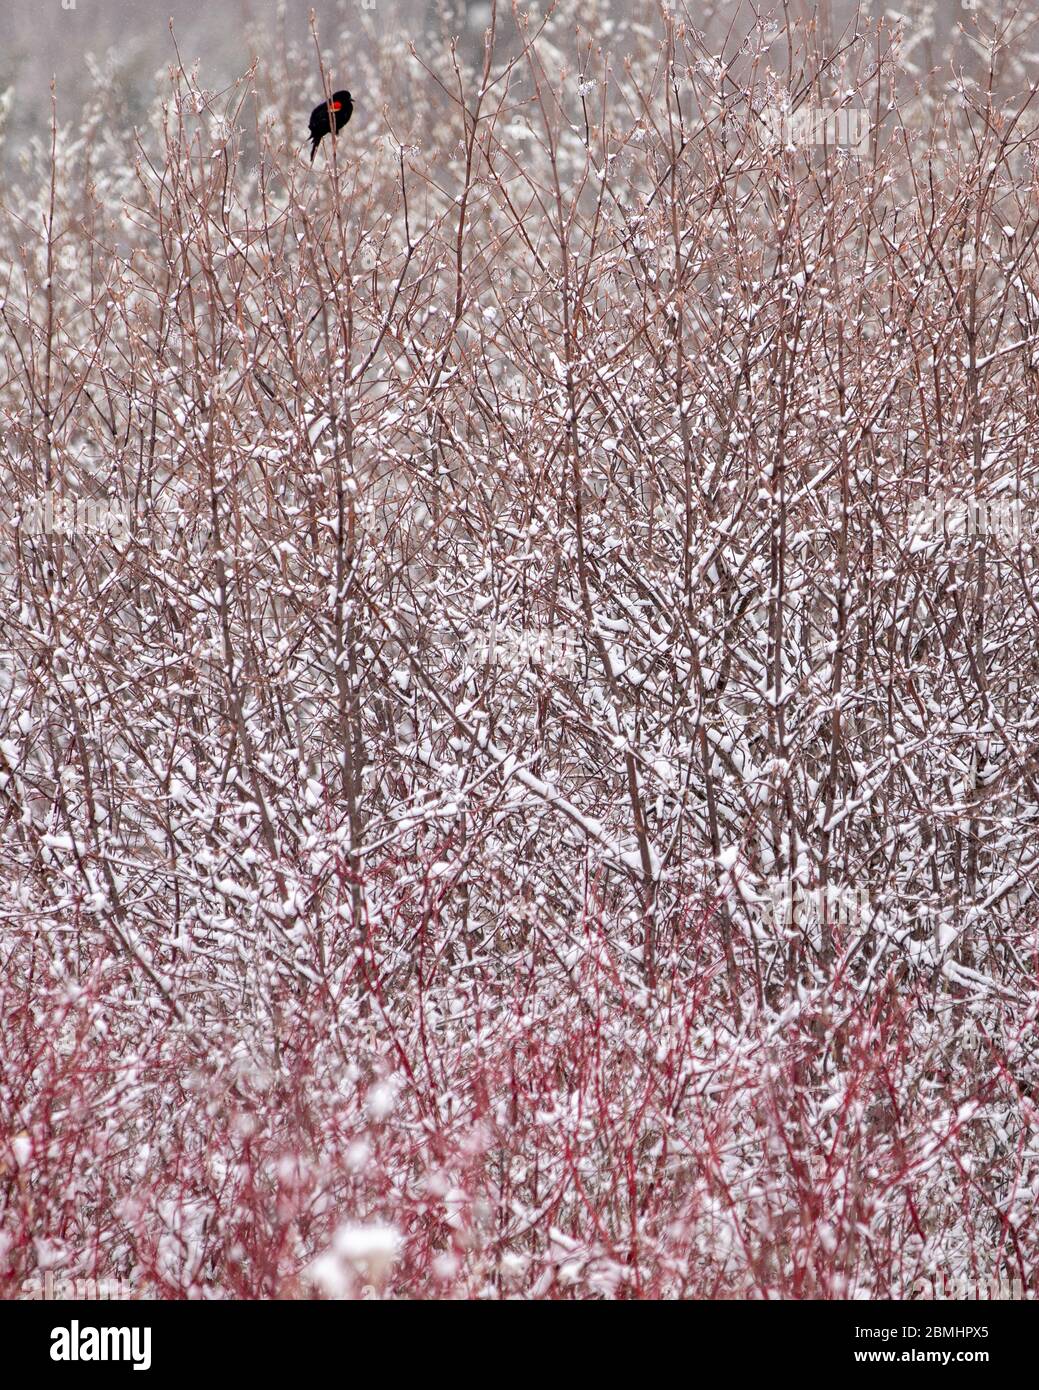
x=337, y=106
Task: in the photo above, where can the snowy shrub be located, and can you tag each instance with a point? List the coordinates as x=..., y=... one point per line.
x=430, y=816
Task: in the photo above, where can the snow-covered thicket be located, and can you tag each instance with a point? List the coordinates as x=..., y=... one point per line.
x=517, y=741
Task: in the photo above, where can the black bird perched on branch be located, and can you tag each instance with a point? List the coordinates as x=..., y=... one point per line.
x=339, y=108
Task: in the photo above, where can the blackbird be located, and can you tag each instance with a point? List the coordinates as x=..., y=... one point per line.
x=339, y=107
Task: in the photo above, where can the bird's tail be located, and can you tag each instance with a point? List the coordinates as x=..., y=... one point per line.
x=313, y=148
